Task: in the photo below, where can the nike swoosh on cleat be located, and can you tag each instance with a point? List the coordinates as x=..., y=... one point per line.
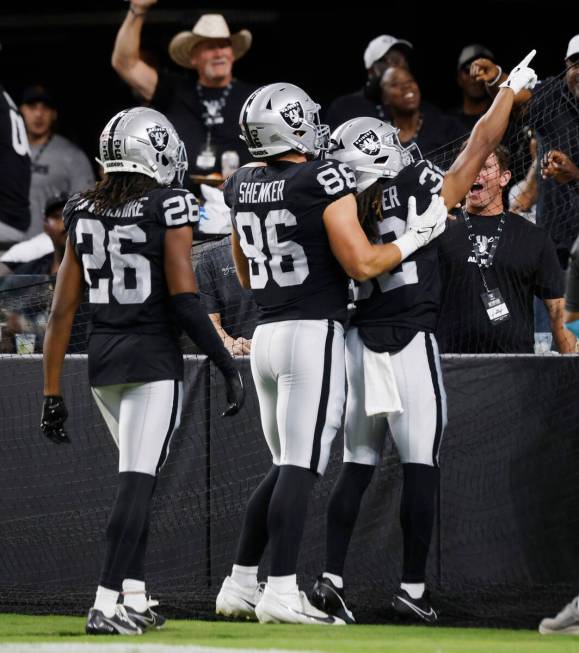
x=342, y=602
x=416, y=609
x=323, y=620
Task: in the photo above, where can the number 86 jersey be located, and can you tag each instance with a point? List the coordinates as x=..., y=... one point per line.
x=122, y=256
x=277, y=213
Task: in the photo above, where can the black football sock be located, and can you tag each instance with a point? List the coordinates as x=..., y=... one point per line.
x=343, y=509
x=417, y=509
x=286, y=517
x=136, y=569
x=126, y=525
x=253, y=538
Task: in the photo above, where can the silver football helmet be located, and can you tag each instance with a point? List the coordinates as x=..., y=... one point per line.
x=372, y=149
x=143, y=140
x=281, y=117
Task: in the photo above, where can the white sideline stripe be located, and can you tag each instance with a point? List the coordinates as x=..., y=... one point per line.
x=79, y=647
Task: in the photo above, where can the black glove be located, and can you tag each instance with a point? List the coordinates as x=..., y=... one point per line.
x=54, y=416
x=235, y=393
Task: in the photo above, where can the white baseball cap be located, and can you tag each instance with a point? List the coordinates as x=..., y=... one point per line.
x=573, y=47
x=379, y=46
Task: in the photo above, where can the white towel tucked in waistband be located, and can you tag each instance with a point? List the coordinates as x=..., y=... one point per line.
x=380, y=386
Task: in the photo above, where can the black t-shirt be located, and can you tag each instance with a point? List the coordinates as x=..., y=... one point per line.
x=353, y=105
x=466, y=121
x=525, y=264
x=438, y=130
x=133, y=337
x=179, y=99
x=277, y=212
x=14, y=166
x=393, y=307
x=221, y=292
x=554, y=114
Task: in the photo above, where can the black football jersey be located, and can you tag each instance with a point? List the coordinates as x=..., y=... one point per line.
x=133, y=338
x=14, y=166
x=277, y=212
x=393, y=307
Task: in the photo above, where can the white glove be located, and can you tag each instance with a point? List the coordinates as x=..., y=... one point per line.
x=422, y=228
x=521, y=76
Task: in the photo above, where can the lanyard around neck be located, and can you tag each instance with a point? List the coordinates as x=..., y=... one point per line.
x=472, y=237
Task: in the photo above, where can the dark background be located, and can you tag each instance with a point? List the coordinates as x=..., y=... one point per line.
x=68, y=45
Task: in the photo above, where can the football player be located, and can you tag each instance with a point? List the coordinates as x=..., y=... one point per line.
x=296, y=238
x=392, y=332
x=129, y=243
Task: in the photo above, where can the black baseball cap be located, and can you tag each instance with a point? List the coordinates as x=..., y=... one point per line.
x=473, y=51
x=38, y=93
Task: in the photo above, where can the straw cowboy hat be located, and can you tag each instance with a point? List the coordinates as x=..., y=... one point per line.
x=209, y=26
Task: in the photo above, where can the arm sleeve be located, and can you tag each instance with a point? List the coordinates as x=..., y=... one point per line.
x=549, y=279
x=190, y=314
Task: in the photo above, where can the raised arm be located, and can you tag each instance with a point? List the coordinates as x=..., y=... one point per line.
x=484, y=70
x=485, y=136
x=126, y=59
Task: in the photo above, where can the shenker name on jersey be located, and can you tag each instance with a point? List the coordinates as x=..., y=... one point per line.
x=256, y=192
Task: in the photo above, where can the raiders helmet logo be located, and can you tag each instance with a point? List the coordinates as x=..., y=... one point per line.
x=368, y=142
x=293, y=114
x=158, y=136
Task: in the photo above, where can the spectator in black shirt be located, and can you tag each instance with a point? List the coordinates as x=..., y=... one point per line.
x=418, y=122
x=231, y=308
x=475, y=99
x=54, y=227
x=493, y=263
x=381, y=53
x=552, y=110
x=14, y=173
x=205, y=112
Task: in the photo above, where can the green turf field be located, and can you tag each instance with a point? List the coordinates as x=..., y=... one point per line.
x=19, y=628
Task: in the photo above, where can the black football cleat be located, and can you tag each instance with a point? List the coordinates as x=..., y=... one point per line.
x=146, y=620
x=119, y=624
x=414, y=609
x=330, y=599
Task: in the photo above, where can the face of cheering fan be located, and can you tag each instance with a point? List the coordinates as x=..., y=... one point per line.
x=400, y=90
x=485, y=195
x=213, y=59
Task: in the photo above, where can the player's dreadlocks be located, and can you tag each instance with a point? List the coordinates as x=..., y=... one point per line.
x=370, y=210
x=117, y=188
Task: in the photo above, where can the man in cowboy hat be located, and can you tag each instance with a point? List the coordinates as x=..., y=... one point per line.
x=205, y=112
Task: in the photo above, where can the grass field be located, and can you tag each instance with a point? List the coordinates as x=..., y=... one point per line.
x=16, y=629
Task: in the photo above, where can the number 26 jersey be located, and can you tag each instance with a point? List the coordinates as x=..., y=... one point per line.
x=277, y=212
x=133, y=337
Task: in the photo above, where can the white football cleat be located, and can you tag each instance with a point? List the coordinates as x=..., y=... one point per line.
x=565, y=623
x=237, y=601
x=292, y=608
